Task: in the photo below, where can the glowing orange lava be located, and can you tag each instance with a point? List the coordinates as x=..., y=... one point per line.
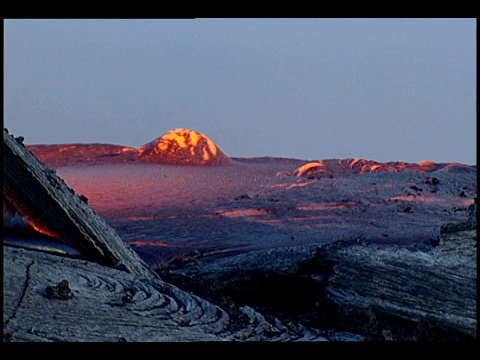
x=39, y=228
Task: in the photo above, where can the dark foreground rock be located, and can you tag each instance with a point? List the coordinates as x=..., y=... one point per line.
x=342, y=291
x=52, y=208
x=380, y=292
x=310, y=294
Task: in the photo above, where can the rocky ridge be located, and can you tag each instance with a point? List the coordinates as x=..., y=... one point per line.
x=179, y=147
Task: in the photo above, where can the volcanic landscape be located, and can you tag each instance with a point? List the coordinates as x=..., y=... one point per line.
x=180, y=197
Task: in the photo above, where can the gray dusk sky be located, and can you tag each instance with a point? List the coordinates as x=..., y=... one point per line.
x=377, y=89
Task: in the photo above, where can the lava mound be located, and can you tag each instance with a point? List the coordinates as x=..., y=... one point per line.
x=361, y=166
x=183, y=147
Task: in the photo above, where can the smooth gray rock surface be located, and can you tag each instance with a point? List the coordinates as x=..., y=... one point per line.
x=378, y=291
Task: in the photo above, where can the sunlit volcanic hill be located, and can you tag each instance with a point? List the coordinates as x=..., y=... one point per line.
x=177, y=147
x=183, y=146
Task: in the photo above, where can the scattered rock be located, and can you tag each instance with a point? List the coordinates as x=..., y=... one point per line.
x=243, y=196
x=431, y=181
x=61, y=291
x=20, y=140
x=469, y=224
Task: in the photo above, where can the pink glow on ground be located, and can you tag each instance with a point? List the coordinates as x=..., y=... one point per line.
x=244, y=213
x=300, y=184
x=326, y=206
x=172, y=210
x=151, y=243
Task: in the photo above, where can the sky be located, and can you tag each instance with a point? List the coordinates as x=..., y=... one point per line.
x=394, y=89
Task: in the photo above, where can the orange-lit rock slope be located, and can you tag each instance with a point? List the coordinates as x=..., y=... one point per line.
x=183, y=146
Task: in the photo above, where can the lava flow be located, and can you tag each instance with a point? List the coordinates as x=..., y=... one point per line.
x=17, y=221
x=166, y=199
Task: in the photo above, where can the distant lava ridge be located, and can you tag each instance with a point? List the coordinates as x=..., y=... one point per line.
x=361, y=166
x=187, y=147
x=176, y=147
